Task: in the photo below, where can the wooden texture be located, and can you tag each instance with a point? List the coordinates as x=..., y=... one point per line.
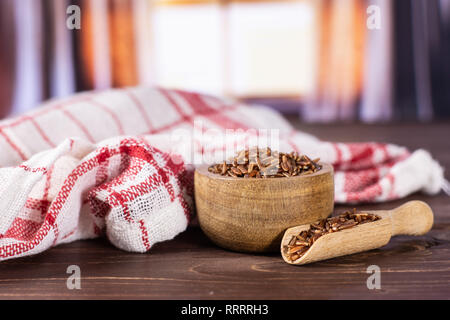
x=251, y=215
x=192, y=267
x=412, y=218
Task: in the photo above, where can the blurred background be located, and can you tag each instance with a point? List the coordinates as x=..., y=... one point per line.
x=314, y=58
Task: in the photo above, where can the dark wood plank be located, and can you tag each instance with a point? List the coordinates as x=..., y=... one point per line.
x=191, y=267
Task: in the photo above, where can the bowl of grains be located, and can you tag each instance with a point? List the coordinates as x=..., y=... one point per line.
x=246, y=203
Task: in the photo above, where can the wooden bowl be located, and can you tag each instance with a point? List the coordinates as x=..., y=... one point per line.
x=251, y=215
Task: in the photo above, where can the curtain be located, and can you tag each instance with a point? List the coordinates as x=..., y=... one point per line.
x=317, y=58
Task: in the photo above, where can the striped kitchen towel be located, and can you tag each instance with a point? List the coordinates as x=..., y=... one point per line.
x=120, y=163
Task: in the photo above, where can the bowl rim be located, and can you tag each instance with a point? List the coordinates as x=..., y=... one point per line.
x=203, y=170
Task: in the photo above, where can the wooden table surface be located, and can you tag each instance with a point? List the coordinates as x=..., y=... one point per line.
x=191, y=267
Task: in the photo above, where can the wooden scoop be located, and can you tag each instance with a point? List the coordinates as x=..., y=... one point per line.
x=413, y=218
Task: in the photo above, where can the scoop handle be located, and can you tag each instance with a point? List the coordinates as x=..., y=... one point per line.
x=413, y=218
